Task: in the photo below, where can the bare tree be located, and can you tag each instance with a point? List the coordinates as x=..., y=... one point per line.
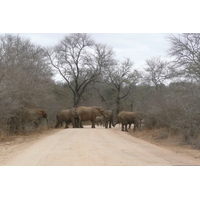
x=121, y=79
x=79, y=61
x=185, y=48
x=25, y=77
x=157, y=72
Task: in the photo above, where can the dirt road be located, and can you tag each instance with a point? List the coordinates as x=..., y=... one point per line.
x=95, y=147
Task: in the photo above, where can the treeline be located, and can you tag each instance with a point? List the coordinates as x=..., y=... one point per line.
x=166, y=90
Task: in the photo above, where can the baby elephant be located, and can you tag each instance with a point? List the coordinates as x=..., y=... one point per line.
x=68, y=116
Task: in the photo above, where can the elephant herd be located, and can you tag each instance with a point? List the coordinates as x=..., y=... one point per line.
x=94, y=114
x=98, y=116
x=77, y=115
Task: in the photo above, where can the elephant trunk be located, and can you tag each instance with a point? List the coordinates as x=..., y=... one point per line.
x=46, y=119
x=117, y=122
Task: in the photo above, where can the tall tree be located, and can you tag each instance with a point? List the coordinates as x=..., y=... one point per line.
x=121, y=78
x=185, y=48
x=79, y=61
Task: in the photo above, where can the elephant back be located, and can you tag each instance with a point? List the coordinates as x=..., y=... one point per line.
x=74, y=113
x=63, y=115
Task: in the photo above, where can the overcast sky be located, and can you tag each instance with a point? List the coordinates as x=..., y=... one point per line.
x=136, y=46
x=116, y=23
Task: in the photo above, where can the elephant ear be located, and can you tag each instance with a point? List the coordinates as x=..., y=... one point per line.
x=43, y=113
x=74, y=111
x=101, y=111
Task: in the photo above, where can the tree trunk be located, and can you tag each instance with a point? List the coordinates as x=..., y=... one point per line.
x=76, y=101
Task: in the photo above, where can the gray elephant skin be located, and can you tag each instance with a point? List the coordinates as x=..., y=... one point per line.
x=109, y=119
x=24, y=117
x=126, y=118
x=90, y=114
x=68, y=116
x=32, y=116
x=99, y=121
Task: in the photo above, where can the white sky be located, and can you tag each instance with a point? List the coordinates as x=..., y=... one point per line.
x=116, y=23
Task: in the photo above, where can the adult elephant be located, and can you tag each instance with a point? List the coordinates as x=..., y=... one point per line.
x=68, y=116
x=109, y=119
x=24, y=119
x=33, y=116
x=126, y=118
x=90, y=114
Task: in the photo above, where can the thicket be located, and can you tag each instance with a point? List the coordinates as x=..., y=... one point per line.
x=167, y=91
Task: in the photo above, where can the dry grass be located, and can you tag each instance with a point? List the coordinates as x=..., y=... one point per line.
x=164, y=138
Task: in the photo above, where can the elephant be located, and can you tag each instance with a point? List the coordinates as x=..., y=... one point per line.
x=25, y=118
x=90, y=114
x=37, y=114
x=68, y=116
x=126, y=118
x=109, y=119
x=32, y=116
x=99, y=120
x=140, y=119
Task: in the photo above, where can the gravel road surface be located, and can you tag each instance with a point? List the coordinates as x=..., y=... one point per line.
x=95, y=147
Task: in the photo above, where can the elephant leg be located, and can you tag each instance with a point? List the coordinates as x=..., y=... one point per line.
x=77, y=123
x=122, y=127
x=80, y=125
x=35, y=123
x=135, y=126
x=126, y=128
x=57, y=125
x=109, y=124
x=113, y=123
x=106, y=124
x=67, y=123
x=93, y=123
x=73, y=123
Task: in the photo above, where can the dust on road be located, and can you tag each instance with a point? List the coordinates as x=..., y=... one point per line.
x=94, y=147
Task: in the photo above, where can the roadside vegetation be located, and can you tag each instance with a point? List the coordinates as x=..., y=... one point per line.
x=79, y=71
